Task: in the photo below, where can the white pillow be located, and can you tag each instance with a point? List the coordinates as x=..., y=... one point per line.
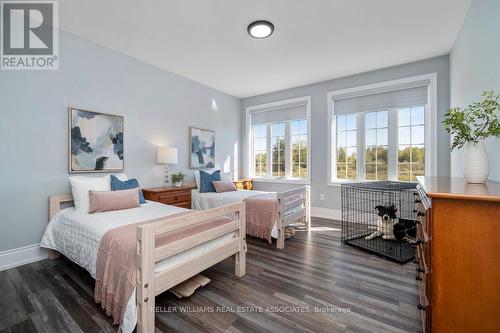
x=81, y=185
x=223, y=176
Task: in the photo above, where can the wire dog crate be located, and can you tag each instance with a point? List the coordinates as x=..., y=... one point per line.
x=359, y=217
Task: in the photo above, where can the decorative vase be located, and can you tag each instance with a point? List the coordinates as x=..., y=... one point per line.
x=178, y=184
x=476, y=167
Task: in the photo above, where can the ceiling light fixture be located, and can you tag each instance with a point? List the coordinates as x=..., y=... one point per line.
x=260, y=29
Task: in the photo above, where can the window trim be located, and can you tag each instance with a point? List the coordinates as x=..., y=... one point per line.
x=430, y=121
x=270, y=107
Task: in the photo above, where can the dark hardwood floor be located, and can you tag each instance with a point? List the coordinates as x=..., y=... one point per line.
x=355, y=291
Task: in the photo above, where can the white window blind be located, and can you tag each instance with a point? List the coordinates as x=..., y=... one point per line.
x=281, y=113
x=381, y=100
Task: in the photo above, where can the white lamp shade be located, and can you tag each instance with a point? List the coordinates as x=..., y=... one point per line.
x=166, y=155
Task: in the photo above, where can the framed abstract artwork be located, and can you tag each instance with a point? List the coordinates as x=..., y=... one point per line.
x=202, y=146
x=95, y=142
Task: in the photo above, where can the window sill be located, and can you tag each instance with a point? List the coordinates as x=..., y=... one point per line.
x=339, y=182
x=283, y=180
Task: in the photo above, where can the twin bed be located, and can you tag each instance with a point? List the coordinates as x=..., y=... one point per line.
x=292, y=207
x=172, y=243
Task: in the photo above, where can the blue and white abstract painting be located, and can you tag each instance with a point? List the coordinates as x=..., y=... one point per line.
x=96, y=142
x=202, y=155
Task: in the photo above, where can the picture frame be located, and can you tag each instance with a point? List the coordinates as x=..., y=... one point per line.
x=95, y=142
x=201, y=148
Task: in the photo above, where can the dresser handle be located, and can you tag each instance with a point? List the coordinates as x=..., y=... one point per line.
x=415, y=194
x=420, y=214
x=422, y=307
x=418, y=201
x=421, y=270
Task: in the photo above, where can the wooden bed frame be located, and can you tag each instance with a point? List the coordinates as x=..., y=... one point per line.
x=150, y=283
x=293, y=207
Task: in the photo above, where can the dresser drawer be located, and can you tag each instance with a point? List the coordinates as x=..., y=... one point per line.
x=422, y=236
x=420, y=259
x=175, y=198
x=424, y=304
x=183, y=205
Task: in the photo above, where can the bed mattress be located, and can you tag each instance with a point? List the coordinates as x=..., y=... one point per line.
x=77, y=236
x=208, y=200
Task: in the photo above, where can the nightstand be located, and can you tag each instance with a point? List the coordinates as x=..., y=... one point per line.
x=244, y=184
x=175, y=196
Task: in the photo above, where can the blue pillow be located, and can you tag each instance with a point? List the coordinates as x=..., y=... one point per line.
x=117, y=185
x=206, y=180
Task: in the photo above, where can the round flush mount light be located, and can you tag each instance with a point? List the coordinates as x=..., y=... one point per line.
x=260, y=29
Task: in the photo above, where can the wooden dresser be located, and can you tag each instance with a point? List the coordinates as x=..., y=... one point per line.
x=175, y=196
x=458, y=255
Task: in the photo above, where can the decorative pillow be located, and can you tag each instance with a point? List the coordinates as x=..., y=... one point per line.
x=197, y=175
x=206, y=180
x=224, y=186
x=224, y=176
x=117, y=184
x=80, y=187
x=113, y=200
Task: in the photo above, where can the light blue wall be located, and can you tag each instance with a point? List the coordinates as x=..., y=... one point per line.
x=158, y=107
x=319, y=124
x=475, y=67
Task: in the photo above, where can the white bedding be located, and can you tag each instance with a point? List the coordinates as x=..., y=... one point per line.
x=77, y=235
x=202, y=201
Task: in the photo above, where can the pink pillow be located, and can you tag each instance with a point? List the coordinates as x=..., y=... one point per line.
x=224, y=186
x=105, y=201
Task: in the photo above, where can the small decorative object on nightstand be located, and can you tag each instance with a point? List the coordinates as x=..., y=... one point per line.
x=177, y=178
x=244, y=184
x=166, y=155
x=175, y=196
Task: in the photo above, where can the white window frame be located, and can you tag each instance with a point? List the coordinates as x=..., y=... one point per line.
x=288, y=161
x=430, y=121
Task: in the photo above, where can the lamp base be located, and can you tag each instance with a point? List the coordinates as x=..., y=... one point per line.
x=166, y=181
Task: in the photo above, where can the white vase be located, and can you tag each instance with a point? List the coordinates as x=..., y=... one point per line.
x=178, y=184
x=476, y=167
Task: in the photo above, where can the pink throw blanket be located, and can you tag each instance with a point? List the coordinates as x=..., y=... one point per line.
x=116, y=262
x=261, y=214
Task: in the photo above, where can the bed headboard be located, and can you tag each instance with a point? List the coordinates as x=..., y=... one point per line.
x=55, y=202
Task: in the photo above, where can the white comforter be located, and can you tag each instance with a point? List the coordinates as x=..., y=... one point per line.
x=202, y=201
x=77, y=235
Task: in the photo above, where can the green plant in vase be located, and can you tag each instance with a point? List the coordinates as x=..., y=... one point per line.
x=177, y=178
x=469, y=127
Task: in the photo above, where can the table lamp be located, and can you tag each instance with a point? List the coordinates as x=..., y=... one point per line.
x=166, y=155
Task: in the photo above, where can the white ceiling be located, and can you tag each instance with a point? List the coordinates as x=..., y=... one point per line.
x=314, y=40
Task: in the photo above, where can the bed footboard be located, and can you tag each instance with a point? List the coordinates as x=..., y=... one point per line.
x=151, y=283
x=293, y=207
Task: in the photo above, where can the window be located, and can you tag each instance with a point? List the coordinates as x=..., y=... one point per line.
x=278, y=149
x=411, y=143
x=346, y=146
x=383, y=131
x=259, y=149
x=278, y=135
x=299, y=148
x=375, y=150
x=376, y=145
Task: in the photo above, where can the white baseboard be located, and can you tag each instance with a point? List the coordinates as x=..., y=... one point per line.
x=21, y=256
x=326, y=213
